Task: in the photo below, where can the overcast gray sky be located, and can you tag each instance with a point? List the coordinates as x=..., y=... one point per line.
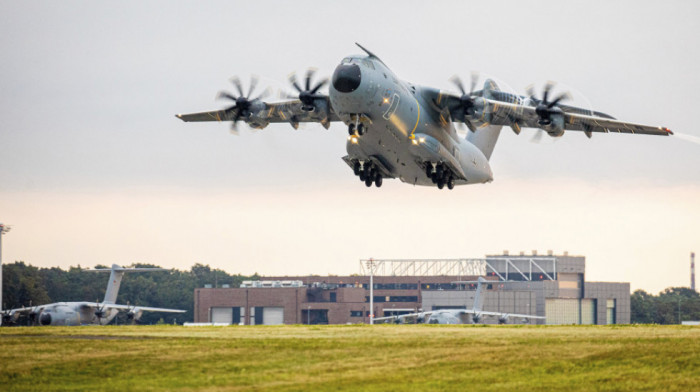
x=95, y=168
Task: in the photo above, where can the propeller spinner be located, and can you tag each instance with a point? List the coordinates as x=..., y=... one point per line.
x=466, y=103
x=241, y=109
x=547, y=111
x=307, y=95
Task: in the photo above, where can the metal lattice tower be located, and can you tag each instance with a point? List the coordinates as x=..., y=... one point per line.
x=503, y=267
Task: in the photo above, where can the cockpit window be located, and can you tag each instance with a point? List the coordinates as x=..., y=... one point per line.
x=367, y=63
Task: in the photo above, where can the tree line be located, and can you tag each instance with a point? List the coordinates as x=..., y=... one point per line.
x=671, y=306
x=25, y=285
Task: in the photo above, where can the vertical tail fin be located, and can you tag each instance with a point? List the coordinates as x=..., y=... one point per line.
x=485, y=138
x=115, y=279
x=479, y=296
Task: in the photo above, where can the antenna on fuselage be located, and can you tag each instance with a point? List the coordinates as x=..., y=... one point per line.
x=370, y=54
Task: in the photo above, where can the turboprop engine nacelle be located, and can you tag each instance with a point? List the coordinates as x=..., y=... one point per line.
x=134, y=314
x=555, y=126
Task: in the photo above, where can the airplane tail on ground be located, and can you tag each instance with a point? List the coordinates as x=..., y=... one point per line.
x=115, y=279
x=485, y=138
x=479, y=296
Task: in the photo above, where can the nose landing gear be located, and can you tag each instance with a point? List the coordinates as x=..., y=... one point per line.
x=357, y=125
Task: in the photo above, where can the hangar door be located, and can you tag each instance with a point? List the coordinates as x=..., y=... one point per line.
x=273, y=316
x=222, y=315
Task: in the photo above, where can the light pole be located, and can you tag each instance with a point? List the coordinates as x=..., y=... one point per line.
x=370, y=264
x=3, y=229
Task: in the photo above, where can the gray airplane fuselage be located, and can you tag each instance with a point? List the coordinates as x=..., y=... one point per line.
x=72, y=314
x=403, y=132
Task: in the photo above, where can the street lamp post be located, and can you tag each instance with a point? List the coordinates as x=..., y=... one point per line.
x=370, y=265
x=3, y=229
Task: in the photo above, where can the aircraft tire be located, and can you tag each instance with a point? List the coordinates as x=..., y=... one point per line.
x=360, y=129
x=429, y=170
x=368, y=182
x=451, y=183
x=378, y=181
x=351, y=129
x=356, y=168
x=440, y=184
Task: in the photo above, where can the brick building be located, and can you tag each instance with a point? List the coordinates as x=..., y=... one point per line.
x=550, y=286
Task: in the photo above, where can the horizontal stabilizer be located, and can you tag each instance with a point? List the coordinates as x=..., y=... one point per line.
x=123, y=269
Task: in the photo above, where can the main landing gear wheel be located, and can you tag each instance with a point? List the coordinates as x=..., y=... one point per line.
x=356, y=168
x=451, y=183
x=360, y=129
x=440, y=183
x=378, y=181
x=368, y=182
x=351, y=129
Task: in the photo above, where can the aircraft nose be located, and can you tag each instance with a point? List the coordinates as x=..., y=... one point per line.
x=347, y=78
x=45, y=319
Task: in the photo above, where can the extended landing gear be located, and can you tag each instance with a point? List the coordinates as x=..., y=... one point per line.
x=357, y=126
x=368, y=173
x=440, y=175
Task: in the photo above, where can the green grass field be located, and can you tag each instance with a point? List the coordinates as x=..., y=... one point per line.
x=378, y=358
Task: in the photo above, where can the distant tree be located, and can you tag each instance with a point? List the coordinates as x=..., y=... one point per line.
x=667, y=307
x=22, y=286
x=643, y=307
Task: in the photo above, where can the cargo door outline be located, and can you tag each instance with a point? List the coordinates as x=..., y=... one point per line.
x=392, y=106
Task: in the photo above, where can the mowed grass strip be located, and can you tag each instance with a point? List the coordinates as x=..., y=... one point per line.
x=372, y=358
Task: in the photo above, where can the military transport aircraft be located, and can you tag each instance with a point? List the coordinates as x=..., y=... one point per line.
x=458, y=316
x=85, y=313
x=401, y=130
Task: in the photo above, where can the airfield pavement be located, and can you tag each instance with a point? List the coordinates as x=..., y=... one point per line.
x=353, y=357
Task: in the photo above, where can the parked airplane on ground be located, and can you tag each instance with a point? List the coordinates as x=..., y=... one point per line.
x=401, y=130
x=85, y=313
x=458, y=316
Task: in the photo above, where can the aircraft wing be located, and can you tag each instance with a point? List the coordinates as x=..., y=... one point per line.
x=511, y=110
x=499, y=314
x=263, y=113
x=132, y=307
x=26, y=309
x=403, y=317
x=515, y=115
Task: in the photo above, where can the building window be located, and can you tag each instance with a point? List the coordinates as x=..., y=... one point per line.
x=333, y=297
x=355, y=313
